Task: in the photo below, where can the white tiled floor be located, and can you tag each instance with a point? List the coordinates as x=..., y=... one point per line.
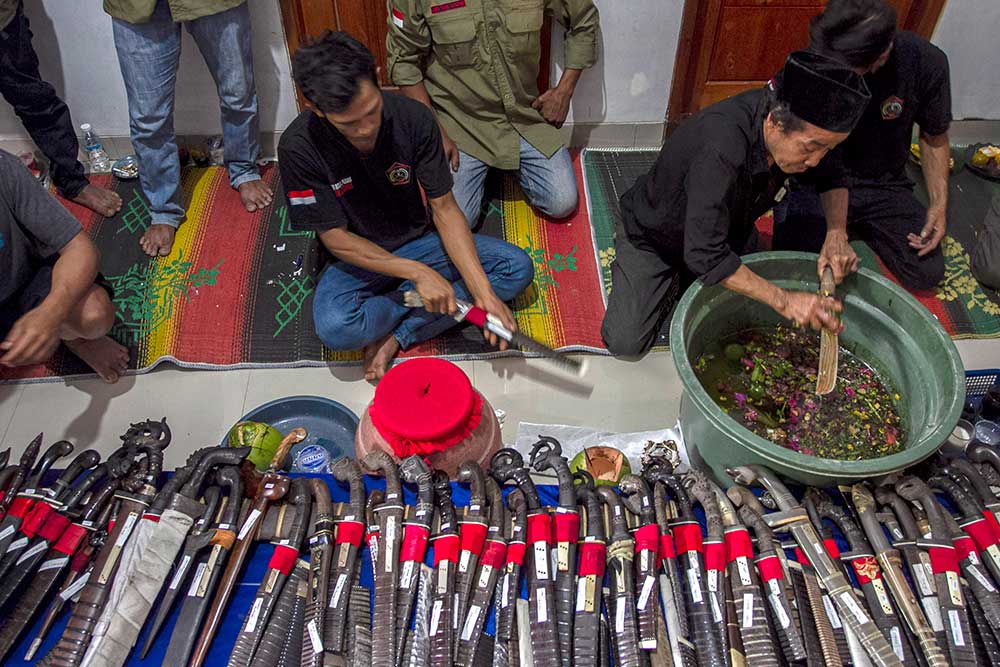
x=201, y=405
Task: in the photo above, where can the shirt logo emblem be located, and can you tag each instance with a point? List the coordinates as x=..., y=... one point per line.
x=343, y=186
x=301, y=197
x=447, y=6
x=892, y=108
x=398, y=173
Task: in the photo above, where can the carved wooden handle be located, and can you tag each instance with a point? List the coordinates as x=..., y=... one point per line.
x=295, y=436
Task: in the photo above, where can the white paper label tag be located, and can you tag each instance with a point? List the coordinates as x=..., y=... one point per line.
x=644, y=594
x=848, y=600
x=541, y=561
x=435, y=618
x=75, y=587
x=179, y=574
x=338, y=589
x=831, y=613
x=922, y=580
x=6, y=532
x=934, y=614
x=644, y=559
x=716, y=609
x=126, y=529
x=53, y=563
x=41, y=547
x=317, y=641
x=463, y=561
x=713, y=580
x=196, y=579
x=406, y=575
x=390, y=539
x=956, y=628
x=982, y=579
x=779, y=612
x=694, y=584
x=541, y=605
x=248, y=524
x=485, y=572
x=254, y=614
x=748, y=610
x=620, y=616
x=744, y=568
x=18, y=544
x=954, y=588
x=581, y=594
x=896, y=640
x=505, y=593
x=883, y=597
x=470, y=622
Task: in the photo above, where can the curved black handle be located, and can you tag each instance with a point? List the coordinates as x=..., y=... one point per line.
x=809, y=500
x=75, y=494
x=83, y=461
x=674, y=484
x=619, y=525
x=495, y=502
x=852, y=532
x=966, y=503
x=413, y=470
x=170, y=489
x=207, y=458
x=442, y=498
x=154, y=455
x=508, y=465
x=700, y=490
x=299, y=497
x=347, y=470
x=55, y=452
x=210, y=498
x=595, y=512
x=889, y=499
x=637, y=497
x=229, y=478
x=470, y=473
x=976, y=479
x=379, y=461
x=914, y=489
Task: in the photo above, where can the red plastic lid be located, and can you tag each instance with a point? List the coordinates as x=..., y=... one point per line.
x=424, y=399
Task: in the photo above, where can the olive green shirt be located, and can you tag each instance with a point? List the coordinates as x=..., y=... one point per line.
x=478, y=60
x=8, y=10
x=139, y=11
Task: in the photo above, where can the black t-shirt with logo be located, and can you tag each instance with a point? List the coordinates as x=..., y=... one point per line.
x=330, y=184
x=912, y=87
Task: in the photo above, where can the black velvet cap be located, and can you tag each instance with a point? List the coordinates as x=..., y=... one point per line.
x=822, y=91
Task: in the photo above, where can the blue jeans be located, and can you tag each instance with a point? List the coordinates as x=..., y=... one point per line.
x=548, y=183
x=353, y=307
x=149, y=54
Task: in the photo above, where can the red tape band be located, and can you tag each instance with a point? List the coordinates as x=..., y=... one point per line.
x=667, y=550
x=832, y=548
x=445, y=549
x=539, y=528
x=80, y=561
x=150, y=516
x=687, y=537
x=350, y=532
x=866, y=569
x=20, y=506
x=473, y=536
x=515, y=553
x=770, y=568
x=990, y=517
x=477, y=316
x=566, y=527
x=800, y=557
x=980, y=532
x=53, y=529
x=647, y=538
x=414, y=544
x=71, y=539
x=943, y=559
x=964, y=546
x=593, y=556
x=493, y=554
x=715, y=555
x=283, y=559
x=33, y=522
x=738, y=544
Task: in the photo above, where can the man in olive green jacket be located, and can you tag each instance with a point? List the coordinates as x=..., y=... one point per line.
x=475, y=63
x=148, y=40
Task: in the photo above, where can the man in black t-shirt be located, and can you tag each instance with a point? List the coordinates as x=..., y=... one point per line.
x=50, y=290
x=868, y=195
x=353, y=167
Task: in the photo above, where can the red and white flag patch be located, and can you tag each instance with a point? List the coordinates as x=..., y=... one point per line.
x=398, y=18
x=343, y=186
x=300, y=197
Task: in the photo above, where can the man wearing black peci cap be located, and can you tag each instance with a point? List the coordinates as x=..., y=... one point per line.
x=694, y=212
x=862, y=191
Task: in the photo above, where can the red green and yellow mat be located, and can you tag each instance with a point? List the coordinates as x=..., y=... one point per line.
x=236, y=292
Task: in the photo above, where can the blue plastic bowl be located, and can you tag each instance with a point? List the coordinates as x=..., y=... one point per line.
x=329, y=423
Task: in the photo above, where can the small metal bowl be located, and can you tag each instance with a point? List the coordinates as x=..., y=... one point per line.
x=126, y=168
x=959, y=439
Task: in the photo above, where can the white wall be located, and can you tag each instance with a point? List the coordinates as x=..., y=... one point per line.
x=967, y=32
x=77, y=54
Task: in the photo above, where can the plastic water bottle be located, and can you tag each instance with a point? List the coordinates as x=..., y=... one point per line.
x=99, y=160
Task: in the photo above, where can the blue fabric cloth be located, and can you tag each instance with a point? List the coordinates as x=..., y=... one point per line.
x=354, y=307
x=149, y=54
x=548, y=183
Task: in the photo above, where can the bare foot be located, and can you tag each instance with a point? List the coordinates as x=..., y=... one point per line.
x=101, y=201
x=105, y=356
x=378, y=357
x=255, y=195
x=158, y=240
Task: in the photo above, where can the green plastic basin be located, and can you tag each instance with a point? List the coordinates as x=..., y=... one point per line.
x=884, y=325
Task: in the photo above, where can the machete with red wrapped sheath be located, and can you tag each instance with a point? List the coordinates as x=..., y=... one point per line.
x=320, y=550
x=16, y=474
x=590, y=583
x=637, y=497
x=386, y=563
x=622, y=604
x=977, y=520
x=416, y=533
x=509, y=584
x=24, y=502
x=445, y=545
x=472, y=530
x=350, y=533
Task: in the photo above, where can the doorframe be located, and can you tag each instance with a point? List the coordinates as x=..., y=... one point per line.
x=695, y=39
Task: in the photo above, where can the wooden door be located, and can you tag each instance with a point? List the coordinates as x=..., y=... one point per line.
x=728, y=46
x=365, y=20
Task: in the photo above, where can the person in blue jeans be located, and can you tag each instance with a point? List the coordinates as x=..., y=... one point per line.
x=147, y=37
x=356, y=167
